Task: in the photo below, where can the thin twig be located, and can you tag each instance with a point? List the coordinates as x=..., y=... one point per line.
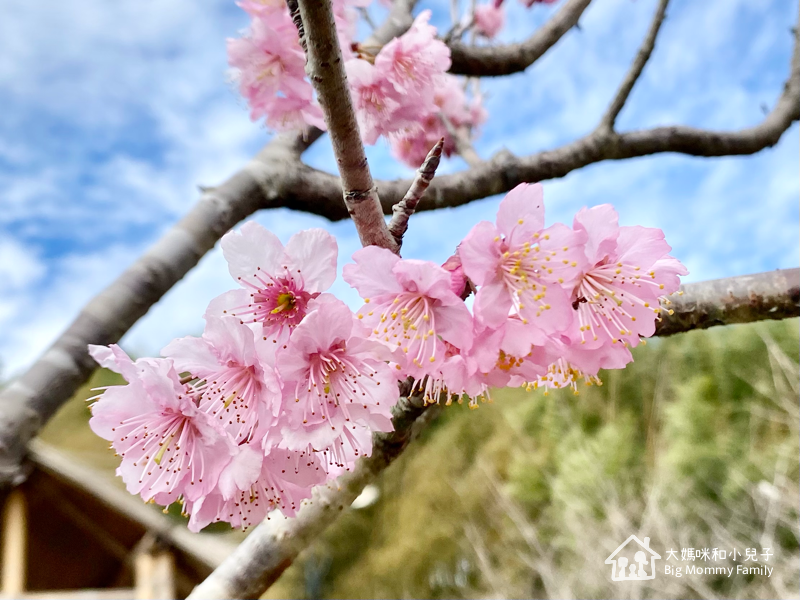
x=460, y=136
x=403, y=210
x=635, y=71
x=325, y=68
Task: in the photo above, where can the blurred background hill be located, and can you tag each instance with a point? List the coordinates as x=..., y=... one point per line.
x=694, y=445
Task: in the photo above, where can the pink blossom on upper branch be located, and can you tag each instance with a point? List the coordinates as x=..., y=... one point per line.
x=168, y=446
x=521, y=268
x=410, y=308
x=396, y=94
x=489, y=19
x=412, y=146
x=279, y=284
x=414, y=61
x=628, y=270
x=376, y=101
x=338, y=387
x=270, y=64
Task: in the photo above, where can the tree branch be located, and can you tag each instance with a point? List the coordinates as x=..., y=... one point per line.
x=461, y=136
x=272, y=546
x=773, y=295
x=30, y=400
x=402, y=211
x=635, y=71
x=493, y=61
x=325, y=68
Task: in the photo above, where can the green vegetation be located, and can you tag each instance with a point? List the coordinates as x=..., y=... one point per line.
x=694, y=445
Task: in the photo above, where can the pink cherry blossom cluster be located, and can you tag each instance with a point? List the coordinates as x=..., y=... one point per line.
x=286, y=386
x=400, y=91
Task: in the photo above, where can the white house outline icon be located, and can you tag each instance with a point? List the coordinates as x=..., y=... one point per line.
x=645, y=546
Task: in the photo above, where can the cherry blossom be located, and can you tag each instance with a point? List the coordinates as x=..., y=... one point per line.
x=489, y=19
x=410, y=308
x=270, y=67
x=280, y=284
x=337, y=385
x=628, y=270
x=415, y=61
x=234, y=377
x=253, y=485
x=522, y=268
x=168, y=446
x=450, y=102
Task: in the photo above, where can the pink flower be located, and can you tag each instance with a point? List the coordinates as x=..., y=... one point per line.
x=412, y=145
x=629, y=269
x=396, y=94
x=522, y=268
x=410, y=308
x=286, y=113
x=415, y=61
x=263, y=8
x=168, y=446
x=507, y=356
x=280, y=284
x=458, y=281
x=570, y=364
x=456, y=376
x=235, y=381
x=253, y=485
x=337, y=384
x=376, y=102
x=489, y=19
x=271, y=69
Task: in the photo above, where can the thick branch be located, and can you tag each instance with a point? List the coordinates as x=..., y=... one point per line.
x=636, y=69
x=30, y=400
x=271, y=548
x=773, y=295
x=492, y=61
x=325, y=68
x=402, y=211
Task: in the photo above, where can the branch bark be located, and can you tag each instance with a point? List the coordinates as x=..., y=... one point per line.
x=609, y=119
x=402, y=211
x=325, y=68
x=773, y=295
x=271, y=547
x=494, y=61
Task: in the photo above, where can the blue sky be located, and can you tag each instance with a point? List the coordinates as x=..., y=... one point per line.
x=116, y=111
